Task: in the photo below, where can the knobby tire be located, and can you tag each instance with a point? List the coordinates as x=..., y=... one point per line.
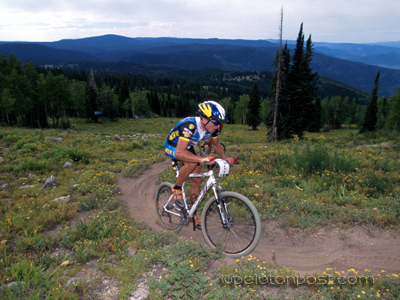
x=170, y=221
x=242, y=235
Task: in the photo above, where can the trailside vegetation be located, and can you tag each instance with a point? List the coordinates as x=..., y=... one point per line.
x=83, y=247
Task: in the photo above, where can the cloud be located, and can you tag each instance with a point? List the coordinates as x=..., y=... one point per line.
x=108, y=25
x=331, y=21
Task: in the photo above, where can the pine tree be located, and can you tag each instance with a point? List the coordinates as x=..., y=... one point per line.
x=315, y=118
x=254, y=108
x=90, y=103
x=123, y=97
x=393, y=118
x=299, y=106
x=372, y=109
x=293, y=117
x=312, y=103
x=169, y=106
x=91, y=99
x=382, y=113
x=156, y=103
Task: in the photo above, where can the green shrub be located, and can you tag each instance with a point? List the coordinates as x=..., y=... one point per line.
x=68, y=153
x=319, y=158
x=33, y=164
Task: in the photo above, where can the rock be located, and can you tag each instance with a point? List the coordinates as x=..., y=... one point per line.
x=75, y=186
x=5, y=185
x=131, y=251
x=57, y=140
x=50, y=182
x=67, y=165
x=1, y=159
x=27, y=186
x=63, y=200
x=13, y=285
x=31, y=175
x=118, y=138
x=139, y=294
x=73, y=280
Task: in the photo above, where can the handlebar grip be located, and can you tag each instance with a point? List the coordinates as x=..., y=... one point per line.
x=236, y=159
x=207, y=161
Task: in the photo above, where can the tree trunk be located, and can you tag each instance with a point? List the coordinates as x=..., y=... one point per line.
x=274, y=136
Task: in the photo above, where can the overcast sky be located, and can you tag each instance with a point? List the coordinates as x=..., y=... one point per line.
x=352, y=21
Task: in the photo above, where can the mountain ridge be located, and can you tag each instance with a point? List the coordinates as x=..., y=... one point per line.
x=341, y=64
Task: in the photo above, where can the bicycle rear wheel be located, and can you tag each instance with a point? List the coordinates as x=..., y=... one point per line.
x=242, y=233
x=171, y=220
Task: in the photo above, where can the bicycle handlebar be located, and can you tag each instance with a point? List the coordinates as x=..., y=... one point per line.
x=207, y=161
x=213, y=158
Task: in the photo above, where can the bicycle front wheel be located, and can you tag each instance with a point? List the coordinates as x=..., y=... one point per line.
x=242, y=231
x=170, y=215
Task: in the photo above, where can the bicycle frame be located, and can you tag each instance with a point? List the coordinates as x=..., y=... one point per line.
x=211, y=183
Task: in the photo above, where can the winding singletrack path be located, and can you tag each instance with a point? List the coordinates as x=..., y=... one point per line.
x=304, y=251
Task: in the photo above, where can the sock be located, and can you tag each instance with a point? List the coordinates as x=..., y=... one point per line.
x=177, y=187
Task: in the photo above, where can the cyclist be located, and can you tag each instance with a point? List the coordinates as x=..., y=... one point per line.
x=180, y=146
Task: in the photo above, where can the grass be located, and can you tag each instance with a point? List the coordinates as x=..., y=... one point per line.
x=339, y=177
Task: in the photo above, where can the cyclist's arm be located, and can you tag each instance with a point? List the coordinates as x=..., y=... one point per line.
x=185, y=155
x=220, y=151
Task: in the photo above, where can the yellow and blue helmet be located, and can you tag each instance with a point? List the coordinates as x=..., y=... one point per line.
x=212, y=111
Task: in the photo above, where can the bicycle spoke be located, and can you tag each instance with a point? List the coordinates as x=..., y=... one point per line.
x=170, y=218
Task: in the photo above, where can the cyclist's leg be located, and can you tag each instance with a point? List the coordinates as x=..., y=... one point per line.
x=184, y=172
x=176, y=189
x=194, y=193
x=195, y=184
x=186, y=169
x=194, y=189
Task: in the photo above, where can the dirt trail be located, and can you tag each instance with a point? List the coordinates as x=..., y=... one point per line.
x=304, y=251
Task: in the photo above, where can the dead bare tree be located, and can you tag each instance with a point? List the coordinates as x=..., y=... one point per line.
x=274, y=136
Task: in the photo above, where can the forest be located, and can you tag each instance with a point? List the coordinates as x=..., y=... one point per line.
x=47, y=96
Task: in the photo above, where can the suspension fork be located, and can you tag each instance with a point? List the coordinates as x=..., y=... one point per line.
x=220, y=201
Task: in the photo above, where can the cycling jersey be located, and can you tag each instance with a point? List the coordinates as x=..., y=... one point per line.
x=188, y=129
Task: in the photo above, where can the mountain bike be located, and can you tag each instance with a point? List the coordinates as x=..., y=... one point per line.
x=229, y=221
x=203, y=147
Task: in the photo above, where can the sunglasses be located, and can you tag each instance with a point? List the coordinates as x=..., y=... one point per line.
x=216, y=123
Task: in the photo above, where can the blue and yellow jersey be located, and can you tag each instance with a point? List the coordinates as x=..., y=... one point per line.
x=189, y=129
